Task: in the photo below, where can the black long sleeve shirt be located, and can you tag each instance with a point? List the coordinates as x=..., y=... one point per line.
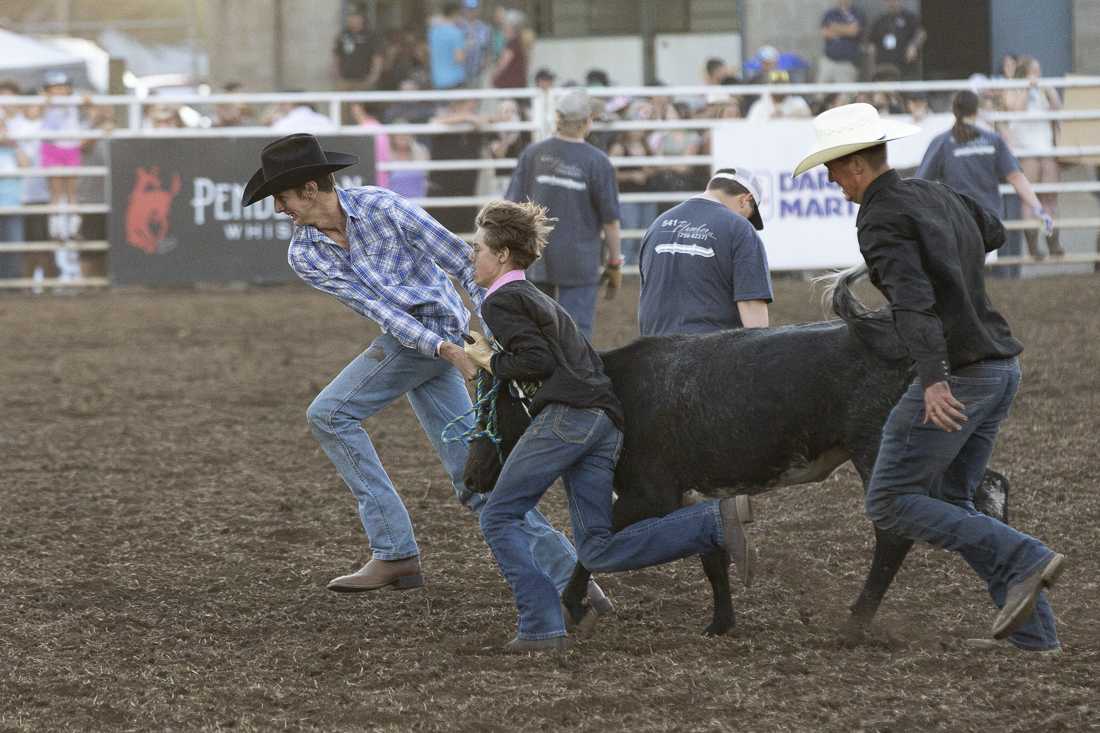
x=925, y=246
x=541, y=343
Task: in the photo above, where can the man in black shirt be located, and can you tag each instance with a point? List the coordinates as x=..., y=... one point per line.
x=357, y=54
x=897, y=38
x=925, y=247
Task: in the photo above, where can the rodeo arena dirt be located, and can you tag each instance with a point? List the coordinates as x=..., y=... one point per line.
x=170, y=522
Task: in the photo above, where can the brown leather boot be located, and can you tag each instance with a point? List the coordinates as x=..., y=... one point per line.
x=394, y=574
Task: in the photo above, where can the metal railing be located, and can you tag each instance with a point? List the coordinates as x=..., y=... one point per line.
x=540, y=125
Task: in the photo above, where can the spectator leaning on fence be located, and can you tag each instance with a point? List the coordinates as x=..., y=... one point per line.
x=842, y=28
x=703, y=266
x=1028, y=136
x=576, y=182
x=387, y=260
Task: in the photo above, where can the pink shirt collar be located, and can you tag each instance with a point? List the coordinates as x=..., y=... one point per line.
x=509, y=277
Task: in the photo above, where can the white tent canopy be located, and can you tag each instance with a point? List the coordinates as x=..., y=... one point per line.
x=24, y=60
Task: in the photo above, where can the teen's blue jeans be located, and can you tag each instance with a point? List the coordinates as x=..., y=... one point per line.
x=924, y=481
x=581, y=446
x=381, y=374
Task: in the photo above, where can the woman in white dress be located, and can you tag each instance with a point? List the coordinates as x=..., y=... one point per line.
x=1027, y=135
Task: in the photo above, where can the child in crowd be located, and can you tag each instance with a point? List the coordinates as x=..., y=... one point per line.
x=575, y=434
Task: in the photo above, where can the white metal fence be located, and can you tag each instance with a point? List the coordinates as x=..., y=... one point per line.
x=539, y=125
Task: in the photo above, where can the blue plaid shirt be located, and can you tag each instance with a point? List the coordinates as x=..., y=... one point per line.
x=394, y=270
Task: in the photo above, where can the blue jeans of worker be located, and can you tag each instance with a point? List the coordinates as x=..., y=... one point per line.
x=435, y=389
x=924, y=481
x=635, y=216
x=581, y=446
x=579, y=301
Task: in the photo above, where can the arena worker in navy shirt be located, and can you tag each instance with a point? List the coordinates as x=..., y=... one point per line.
x=576, y=182
x=703, y=266
x=975, y=161
x=841, y=27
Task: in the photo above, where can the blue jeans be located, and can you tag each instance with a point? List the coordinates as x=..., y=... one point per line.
x=635, y=216
x=374, y=379
x=581, y=446
x=579, y=301
x=924, y=481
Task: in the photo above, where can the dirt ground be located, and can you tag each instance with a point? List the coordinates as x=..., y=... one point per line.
x=168, y=526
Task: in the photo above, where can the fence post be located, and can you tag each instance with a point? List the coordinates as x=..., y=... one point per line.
x=542, y=112
x=134, y=107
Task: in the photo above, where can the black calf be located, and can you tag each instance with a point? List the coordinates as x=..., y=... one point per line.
x=743, y=412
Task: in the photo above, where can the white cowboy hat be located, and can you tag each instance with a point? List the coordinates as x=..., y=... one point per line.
x=849, y=128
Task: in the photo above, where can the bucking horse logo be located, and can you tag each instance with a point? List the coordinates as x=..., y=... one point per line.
x=147, y=220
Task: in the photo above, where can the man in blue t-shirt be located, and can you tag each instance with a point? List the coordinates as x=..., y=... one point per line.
x=703, y=266
x=447, y=49
x=576, y=182
x=842, y=28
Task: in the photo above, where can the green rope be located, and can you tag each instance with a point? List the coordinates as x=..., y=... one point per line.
x=485, y=397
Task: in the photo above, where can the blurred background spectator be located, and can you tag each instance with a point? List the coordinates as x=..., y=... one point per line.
x=300, y=117
x=896, y=39
x=232, y=114
x=464, y=143
x=58, y=152
x=405, y=57
x=357, y=57
x=478, y=42
x=27, y=120
x=11, y=189
x=447, y=48
x=506, y=144
x=413, y=111
x=162, y=116
x=409, y=183
x=1025, y=136
x=635, y=178
x=545, y=78
x=842, y=28
x=363, y=115
x=776, y=104
x=510, y=70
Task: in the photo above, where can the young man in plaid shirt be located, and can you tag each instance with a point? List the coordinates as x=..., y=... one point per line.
x=386, y=259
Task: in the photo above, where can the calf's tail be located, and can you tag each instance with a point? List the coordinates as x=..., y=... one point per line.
x=874, y=328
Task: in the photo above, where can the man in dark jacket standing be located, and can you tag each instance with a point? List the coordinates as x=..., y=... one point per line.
x=925, y=247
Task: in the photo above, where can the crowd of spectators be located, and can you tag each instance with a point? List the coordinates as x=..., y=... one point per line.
x=459, y=49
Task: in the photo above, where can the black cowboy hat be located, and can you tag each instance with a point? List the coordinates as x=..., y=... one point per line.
x=291, y=161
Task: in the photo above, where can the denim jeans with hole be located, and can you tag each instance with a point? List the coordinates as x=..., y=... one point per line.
x=435, y=389
x=924, y=481
x=581, y=446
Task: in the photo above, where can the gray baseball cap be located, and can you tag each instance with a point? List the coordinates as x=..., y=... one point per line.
x=576, y=105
